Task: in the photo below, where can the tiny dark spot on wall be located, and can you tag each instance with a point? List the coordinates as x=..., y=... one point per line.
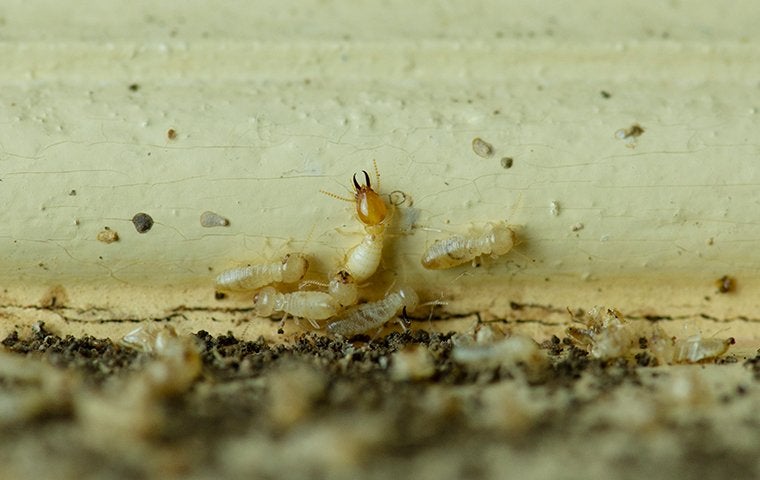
x=73, y=193
x=726, y=284
x=506, y=162
x=605, y=94
x=634, y=131
x=55, y=297
x=171, y=134
x=142, y=222
x=496, y=112
x=134, y=87
x=220, y=295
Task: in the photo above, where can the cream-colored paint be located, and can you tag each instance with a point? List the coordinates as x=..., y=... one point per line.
x=273, y=103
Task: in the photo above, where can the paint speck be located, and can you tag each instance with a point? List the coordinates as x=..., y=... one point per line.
x=171, y=134
x=211, y=219
x=577, y=227
x=73, y=193
x=482, y=148
x=142, y=222
x=134, y=87
x=605, y=94
x=506, y=162
x=554, y=208
x=108, y=236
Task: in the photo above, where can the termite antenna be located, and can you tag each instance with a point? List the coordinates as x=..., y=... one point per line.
x=311, y=283
x=337, y=197
x=377, y=174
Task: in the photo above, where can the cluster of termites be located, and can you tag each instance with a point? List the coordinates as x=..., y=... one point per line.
x=606, y=334
x=332, y=304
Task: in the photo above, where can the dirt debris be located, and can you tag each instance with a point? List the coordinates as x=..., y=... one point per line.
x=320, y=407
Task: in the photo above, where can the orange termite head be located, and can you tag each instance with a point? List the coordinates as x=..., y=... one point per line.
x=370, y=207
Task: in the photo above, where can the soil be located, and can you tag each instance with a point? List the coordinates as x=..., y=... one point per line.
x=394, y=406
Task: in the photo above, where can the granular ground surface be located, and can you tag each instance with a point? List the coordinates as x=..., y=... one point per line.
x=402, y=405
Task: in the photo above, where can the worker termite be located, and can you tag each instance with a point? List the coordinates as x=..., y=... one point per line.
x=373, y=315
x=341, y=286
x=370, y=206
x=363, y=259
x=496, y=240
x=309, y=305
x=692, y=349
x=607, y=334
x=291, y=269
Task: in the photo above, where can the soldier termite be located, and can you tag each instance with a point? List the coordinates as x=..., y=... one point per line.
x=370, y=206
x=496, y=240
x=373, y=315
x=309, y=305
x=291, y=269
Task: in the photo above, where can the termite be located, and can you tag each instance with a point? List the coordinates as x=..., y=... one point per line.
x=341, y=286
x=363, y=259
x=370, y=206
x=693, y=349
x=309, y=305
x=696, y=349
x=291, y=269
x=496, y=240
x=373, y=315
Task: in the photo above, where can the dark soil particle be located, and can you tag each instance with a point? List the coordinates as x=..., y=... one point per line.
x=142, y=222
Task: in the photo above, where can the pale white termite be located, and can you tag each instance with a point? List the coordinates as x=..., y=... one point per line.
x=309, y=305
x=693, y=349
x=291, y=269
x=496, y=240
x=363, y=259
x=373, y=315
x=697, y=349
x=341, y=286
